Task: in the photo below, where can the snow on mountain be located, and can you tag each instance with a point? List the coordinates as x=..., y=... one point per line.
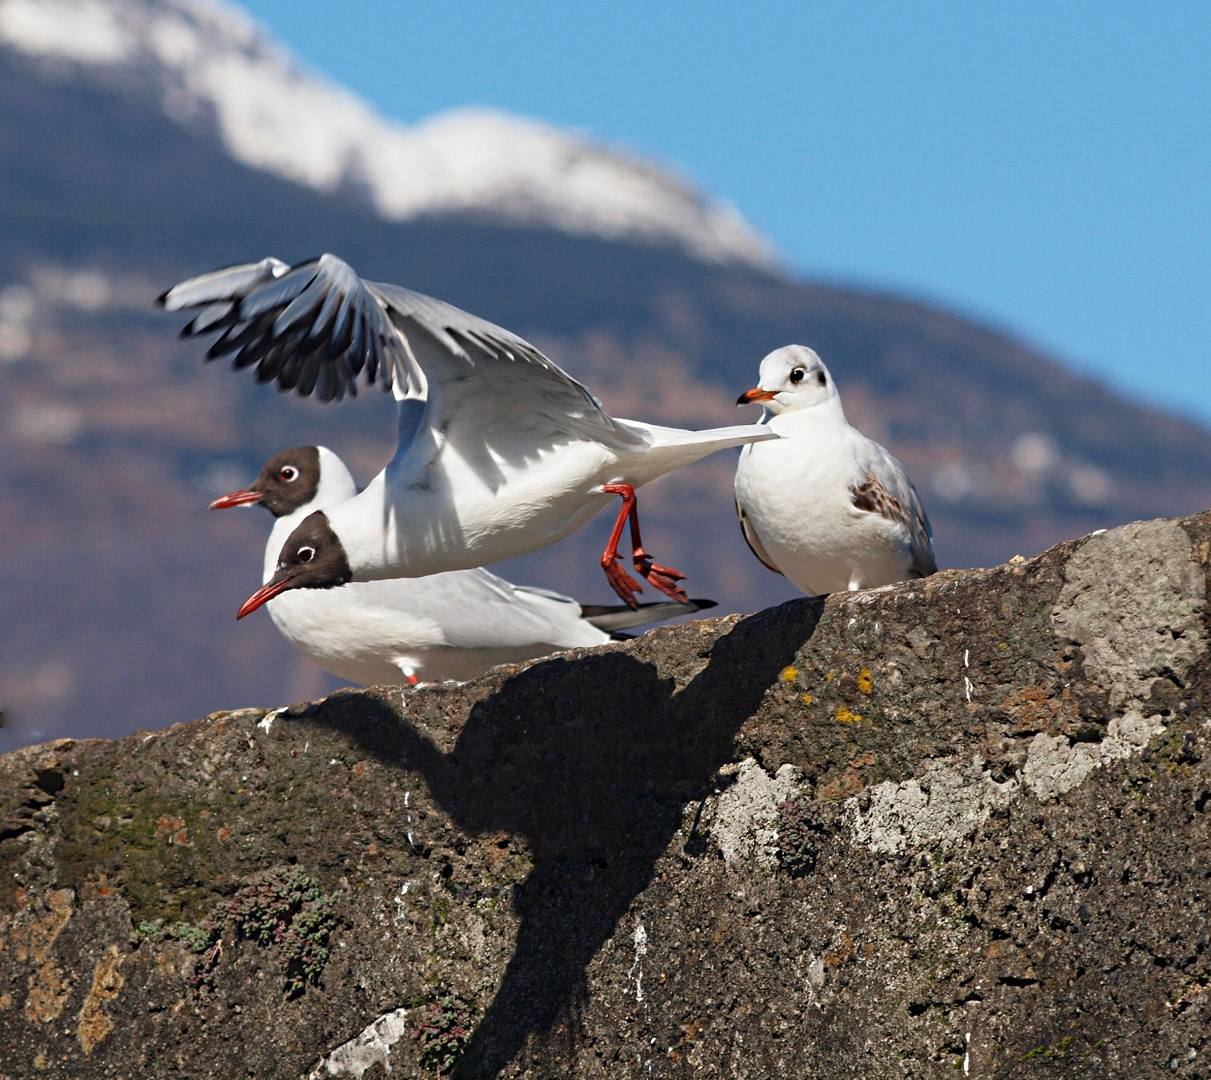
x=209, y=61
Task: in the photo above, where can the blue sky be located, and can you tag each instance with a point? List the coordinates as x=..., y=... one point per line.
x=1042, y=167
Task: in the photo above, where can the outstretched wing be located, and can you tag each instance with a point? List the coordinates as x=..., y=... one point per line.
x=316, y=327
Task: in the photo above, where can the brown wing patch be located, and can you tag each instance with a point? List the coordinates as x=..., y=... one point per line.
x=753, y=540
x=874, y=498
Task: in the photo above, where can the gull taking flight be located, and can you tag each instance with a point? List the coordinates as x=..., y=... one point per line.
x=500, y=451
x=448, y=626
x=825, y=505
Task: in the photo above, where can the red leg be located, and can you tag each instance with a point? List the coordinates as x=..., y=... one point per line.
x=659, y=577
x=620, y=581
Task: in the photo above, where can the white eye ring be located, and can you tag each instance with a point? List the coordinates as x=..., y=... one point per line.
x=288, y=473
x=305, y=554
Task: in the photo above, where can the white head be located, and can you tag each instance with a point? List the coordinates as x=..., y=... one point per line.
x=792, y=377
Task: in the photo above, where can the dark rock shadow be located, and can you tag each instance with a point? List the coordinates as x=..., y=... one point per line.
x=592, y=762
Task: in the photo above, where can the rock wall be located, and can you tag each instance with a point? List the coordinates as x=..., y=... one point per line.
x=956, y=827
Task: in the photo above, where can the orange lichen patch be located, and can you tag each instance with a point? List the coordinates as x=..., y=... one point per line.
x=865, y=683
x=844, y=716
x=862, y=760
x=842, y=954
x=359, y=768
x=224, y=834
x=48, y=991
x=94, y=1022
x=789, y=674
x=167, y=824
x=173, y=830
x=849, y=784
x=1032, y=708
x=38, y=937
x=807, y=699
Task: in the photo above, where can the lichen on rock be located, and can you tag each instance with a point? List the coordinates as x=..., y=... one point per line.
x=662, y=857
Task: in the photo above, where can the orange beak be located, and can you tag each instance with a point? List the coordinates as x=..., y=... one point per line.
x=262, y=596
x=236, y=498
x=756, y=394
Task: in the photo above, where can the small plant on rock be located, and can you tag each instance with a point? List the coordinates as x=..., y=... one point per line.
x=799, y=828
x=283, y=907
x=443, y=1027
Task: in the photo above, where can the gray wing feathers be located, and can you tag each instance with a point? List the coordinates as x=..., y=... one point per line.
x=316, y=327
x=923, y=561
x=615, y=617
x=895, y=497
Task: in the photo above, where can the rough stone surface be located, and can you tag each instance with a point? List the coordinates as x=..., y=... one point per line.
x=573, y=868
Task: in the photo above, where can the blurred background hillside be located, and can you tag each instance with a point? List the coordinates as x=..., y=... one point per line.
x=145, y=140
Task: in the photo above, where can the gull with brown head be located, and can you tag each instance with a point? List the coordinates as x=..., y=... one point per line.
x=500, y=452
x=448, y=626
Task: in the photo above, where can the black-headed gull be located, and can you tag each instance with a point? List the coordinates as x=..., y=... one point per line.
x=449, y=626
x=825, y=505
x=500, y=451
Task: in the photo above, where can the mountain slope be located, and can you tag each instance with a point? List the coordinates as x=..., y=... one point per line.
x=207, y=66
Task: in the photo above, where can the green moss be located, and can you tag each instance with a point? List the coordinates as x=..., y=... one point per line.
x=1055, y=1052
x=161, y=852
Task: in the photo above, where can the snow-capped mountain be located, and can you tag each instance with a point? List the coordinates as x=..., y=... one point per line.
x=210, y=63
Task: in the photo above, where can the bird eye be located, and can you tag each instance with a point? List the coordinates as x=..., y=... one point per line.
x=288, y=473
x=821, y=378
x=797, y=375
x=306, y=554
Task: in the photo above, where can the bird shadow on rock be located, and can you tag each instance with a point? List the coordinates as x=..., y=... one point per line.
x=592, y=761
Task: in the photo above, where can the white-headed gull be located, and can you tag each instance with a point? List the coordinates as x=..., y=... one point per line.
x=500, y=451
x=825, y=505
x=449, y=626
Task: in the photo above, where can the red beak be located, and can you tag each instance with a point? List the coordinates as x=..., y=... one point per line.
x=262, y=596
x=236, y=498
x=756, y=394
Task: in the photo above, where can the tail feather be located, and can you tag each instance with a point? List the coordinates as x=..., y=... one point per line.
x=671, y=448
x=710, y=439
x=614, y=618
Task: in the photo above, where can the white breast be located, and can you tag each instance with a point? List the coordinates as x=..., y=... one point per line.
x=797, y=494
